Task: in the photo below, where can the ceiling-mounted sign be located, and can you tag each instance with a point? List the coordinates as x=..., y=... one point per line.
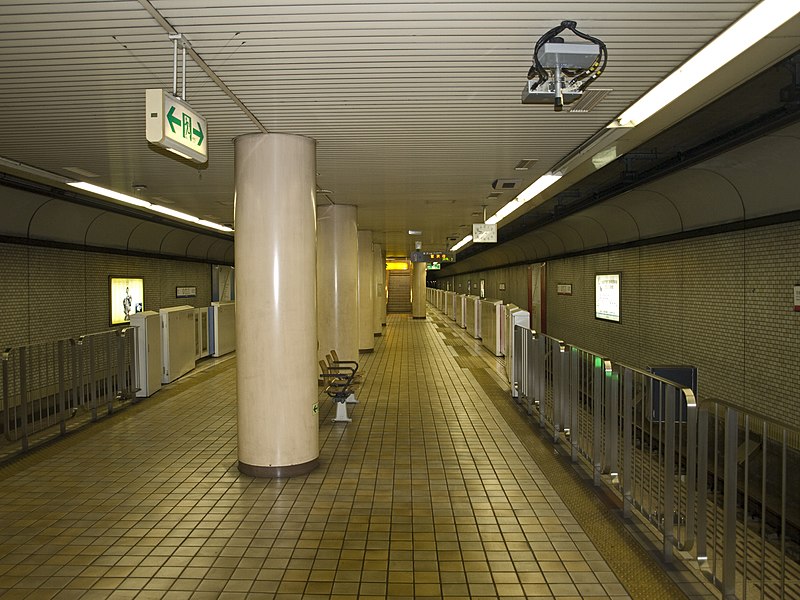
x=176, y=126
x=484, y=232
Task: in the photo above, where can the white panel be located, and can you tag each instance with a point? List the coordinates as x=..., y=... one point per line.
x=148, y=339
x=177, y=342
x=491, y=313
x=223, y=328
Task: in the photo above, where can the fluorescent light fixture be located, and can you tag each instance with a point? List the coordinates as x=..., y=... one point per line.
x=462, y=243
x=414, y=232
x=533, y=190
x=101, y=191
x=759, y=22
x=96, y=189
x=213, y=225
x=174, y=213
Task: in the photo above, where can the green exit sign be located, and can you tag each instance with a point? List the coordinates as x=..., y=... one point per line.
x=174, y=125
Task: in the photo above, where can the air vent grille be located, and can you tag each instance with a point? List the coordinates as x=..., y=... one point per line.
x=505, y=184
x=590, y=99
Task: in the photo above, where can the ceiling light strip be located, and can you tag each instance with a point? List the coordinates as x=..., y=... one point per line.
x=533, y=190
x=462, y=243
x=759, y=22
x=176, y=214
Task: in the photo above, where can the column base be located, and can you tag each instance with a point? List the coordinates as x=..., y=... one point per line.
x=420, y=318
x=365, y=350
x=377, y=334
x=279, y=472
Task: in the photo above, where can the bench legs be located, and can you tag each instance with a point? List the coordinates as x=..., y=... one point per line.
x=341, y=413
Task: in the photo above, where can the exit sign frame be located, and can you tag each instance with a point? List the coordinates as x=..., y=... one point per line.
x=174, y=125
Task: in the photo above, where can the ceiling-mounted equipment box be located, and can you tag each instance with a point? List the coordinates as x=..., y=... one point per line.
x=175, y=126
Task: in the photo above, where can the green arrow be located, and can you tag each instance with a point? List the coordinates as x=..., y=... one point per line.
x=171, y=119
x=199, y=133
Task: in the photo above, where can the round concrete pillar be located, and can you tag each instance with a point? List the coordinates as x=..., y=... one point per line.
x=366, y=292
x=276, y=318
x=379, y=301
x=337, y=281
x=418, y=290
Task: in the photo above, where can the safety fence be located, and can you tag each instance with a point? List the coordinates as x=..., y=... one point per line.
x=51, y=385
x=706, y=475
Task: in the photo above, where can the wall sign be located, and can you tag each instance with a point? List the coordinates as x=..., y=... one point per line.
x=126, y=296
x=186, y=291
x=606, y=297
x=797, y=298
x=564, y=289
x=502, y=287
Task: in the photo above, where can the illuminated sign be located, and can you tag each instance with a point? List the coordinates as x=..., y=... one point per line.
x=126, y=297
x=606, y=297
x=174, y=125
x=432, y=257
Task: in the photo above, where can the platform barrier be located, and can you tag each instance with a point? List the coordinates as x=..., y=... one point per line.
x=711, y=479
x=47, y=385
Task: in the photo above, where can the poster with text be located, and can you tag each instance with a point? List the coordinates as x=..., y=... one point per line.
x=606, y=297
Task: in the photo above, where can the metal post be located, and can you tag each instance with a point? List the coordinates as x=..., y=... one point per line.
x=574, y=394
x=691, y=467
x=729, y=506
x=669, y=471
x=174, y=65
x=110, y=373
x=702, y=484
x=597, y=423
x=612, y=420
x=122, y=379
x=62, y=396
x=92, y=390
x=627, y=442
x=6, y=413
x=23, y=395
x=183, y=73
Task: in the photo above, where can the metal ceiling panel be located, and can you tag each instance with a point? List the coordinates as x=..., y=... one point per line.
x=415, y=105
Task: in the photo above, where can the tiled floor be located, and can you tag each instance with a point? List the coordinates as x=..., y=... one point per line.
x=435, y=490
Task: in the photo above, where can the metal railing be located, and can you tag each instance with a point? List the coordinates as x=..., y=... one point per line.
x=44, y=386
x=692, y=470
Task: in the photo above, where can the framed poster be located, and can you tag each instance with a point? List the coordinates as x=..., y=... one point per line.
x=126, y=297
x=483, y=288
x=606, y=297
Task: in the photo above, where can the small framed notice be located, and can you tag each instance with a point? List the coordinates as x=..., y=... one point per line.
x=502, y=287
x=186, y=291
x=564, y=289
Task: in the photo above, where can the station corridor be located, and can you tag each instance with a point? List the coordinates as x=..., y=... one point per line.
x=439, y=488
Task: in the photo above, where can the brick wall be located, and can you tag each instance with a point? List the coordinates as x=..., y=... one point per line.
x=722, y=303
x=51, y=293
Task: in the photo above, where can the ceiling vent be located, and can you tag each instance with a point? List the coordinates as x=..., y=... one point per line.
x=589, y=100
x=525, y=164
x=505, y=184
x=494, y=195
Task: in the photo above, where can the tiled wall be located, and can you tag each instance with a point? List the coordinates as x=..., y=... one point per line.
x=51, y=293
x=723, y=303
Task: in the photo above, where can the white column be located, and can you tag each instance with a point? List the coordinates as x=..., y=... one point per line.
x=337, y=281
x=366, y=292
x=276, y=315
x=418, y=290
x=379, y=301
